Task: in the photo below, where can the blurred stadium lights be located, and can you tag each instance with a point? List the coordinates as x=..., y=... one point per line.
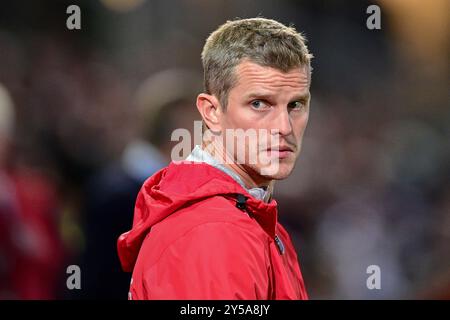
x=426, y=29
x=6, y=112
x=122, y=6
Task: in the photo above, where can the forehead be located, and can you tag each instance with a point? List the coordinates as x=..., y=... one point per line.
x=250, y=75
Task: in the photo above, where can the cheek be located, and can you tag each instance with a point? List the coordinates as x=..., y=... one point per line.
x=241, y=118
x=300, y=124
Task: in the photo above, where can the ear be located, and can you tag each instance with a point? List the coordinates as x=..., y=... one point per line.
x=210, y=110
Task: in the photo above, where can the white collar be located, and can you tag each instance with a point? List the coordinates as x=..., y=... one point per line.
x=200, y=155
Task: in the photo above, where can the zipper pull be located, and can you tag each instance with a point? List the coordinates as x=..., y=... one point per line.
x=280, y=244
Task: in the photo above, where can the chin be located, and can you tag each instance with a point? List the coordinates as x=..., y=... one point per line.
x=279, y=171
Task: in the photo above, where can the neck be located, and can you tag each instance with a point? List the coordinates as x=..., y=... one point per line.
x=249, y=177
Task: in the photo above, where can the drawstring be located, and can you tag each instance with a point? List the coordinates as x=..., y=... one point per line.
x=240, y=203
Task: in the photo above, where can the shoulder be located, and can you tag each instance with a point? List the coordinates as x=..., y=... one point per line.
x=212, y=260
x=213, y=222
x=214, y=212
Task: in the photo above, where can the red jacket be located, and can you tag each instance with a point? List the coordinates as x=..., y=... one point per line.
x=197, y=234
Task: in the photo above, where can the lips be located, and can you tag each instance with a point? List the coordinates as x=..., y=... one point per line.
x=281, y=149
x=280, y=152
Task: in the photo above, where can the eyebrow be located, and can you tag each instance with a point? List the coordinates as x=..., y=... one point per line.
x=269, y=96
x=302, y=97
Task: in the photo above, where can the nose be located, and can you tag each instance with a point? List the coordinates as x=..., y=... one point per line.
x=282, y=123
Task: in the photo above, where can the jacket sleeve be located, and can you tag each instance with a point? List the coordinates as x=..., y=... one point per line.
x=216, y=260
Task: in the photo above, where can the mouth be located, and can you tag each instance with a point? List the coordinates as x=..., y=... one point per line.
x=281, y=152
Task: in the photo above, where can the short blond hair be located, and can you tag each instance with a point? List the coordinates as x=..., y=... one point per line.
x=263, y=41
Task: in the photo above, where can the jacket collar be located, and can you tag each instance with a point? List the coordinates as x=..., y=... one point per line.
x=181, y=183
x=265, y=213
x=200, y=155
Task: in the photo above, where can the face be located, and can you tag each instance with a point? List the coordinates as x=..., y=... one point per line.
x=275, y=105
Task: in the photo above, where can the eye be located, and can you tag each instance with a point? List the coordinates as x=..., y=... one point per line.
x=296, y=105
x=259, y=104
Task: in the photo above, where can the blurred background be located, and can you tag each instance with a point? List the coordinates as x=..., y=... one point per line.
x=86, y=116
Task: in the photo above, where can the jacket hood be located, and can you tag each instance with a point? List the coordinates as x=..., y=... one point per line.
x=177, y=185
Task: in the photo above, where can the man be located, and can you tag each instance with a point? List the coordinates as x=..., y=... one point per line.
x=206, y=228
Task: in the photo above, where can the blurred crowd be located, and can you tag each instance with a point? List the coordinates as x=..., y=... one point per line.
x=87, y=115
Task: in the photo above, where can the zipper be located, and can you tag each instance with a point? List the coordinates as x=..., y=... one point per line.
x=241, y=204
x=279, y=244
